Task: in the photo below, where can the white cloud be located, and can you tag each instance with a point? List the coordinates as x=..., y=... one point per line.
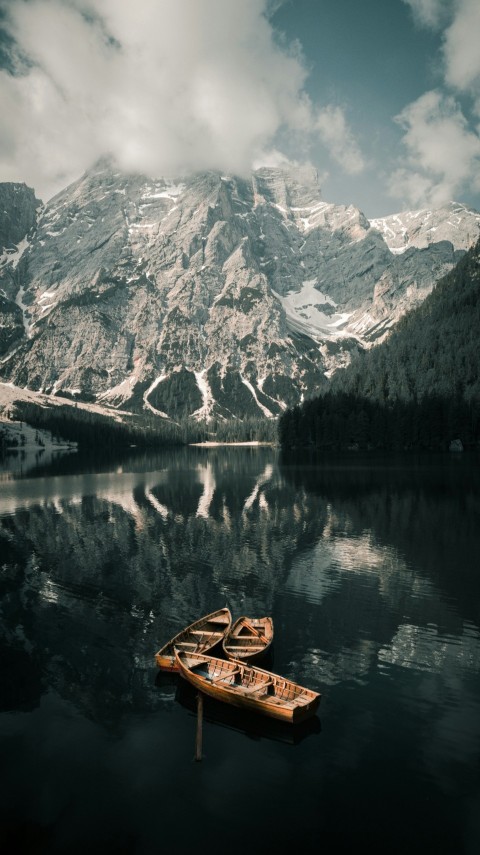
x=443, y=147
x=165, y=86
x=429, y=13
x=335, y=134
x=461, y=48
x=460, y=20
x=443, y=153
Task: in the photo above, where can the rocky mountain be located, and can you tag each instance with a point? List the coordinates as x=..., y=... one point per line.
x=18, y=216
x=418, y=389
x=433, y=351
x=210, y=295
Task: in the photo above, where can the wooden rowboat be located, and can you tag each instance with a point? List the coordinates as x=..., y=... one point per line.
x=201, y=636
x=241, y=720
x=248, y=639
x=251, y=688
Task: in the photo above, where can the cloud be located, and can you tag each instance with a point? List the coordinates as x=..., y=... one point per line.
x=429, y=13
x=460, y=20
x=164, y=86
x=461, y=48
x=442, y=152
x=443, y=147
x=335, y=134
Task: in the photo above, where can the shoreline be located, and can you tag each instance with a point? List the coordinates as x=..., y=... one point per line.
x=214, y=443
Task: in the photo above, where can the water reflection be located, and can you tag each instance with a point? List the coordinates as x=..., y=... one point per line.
x=427, y=649
x=151, y=549
x=370, y=573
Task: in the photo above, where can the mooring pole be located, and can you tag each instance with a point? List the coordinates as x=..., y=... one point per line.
x=198, y=743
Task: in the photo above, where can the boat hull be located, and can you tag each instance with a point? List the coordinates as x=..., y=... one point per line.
x=245, y=721
x=249, y=639
x=288, y=701
x=203, y=635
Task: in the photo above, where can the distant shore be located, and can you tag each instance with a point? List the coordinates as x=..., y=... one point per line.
x=19, y=436
x=213, y=443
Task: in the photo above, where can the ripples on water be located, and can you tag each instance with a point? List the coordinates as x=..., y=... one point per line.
x=370, y=570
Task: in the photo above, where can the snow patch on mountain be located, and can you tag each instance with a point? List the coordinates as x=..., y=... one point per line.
x=149, y=391
x=278, y=401
x=15, y=256
x=455, y=223
x=266, y=412
x=168, y=191
x=24, y=309
x=206, y=410
x=309, y=311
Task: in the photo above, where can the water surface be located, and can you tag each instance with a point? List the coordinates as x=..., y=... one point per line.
x=370, y=570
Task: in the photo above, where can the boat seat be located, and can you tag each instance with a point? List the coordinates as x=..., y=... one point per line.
x=258, y=686
x=251, y=647
x=224, y=675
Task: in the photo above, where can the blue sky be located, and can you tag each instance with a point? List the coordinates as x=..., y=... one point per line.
x=382, y=96
x=374, y=59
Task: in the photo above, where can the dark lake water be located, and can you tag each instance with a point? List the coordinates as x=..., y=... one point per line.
x=370, y=568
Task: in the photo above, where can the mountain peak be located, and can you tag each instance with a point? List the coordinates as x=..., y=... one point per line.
x=452, y=222
x=211, y=294
x=288, y=186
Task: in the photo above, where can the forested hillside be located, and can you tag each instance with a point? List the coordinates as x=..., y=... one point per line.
x=419, y=389
x=434, y=349
x=94, y=430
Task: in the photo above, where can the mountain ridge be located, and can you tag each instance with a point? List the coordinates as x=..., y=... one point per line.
x=210, y=295
x=419, y=389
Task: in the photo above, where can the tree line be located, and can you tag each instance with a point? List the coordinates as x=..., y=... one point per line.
x=95, y=430
x=418, y=389
x=342, y=421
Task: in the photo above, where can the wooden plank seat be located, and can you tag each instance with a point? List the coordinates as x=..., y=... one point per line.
x=251, y=647
x=224, y=676
x=257, y=687
x=210, y=633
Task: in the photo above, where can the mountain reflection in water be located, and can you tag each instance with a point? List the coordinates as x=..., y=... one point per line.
x=369, y=568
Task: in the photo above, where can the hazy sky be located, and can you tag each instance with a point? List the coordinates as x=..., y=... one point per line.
x=382, y=96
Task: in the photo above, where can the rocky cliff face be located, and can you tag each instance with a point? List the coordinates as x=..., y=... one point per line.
x=18, y=216
x=212, y=295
